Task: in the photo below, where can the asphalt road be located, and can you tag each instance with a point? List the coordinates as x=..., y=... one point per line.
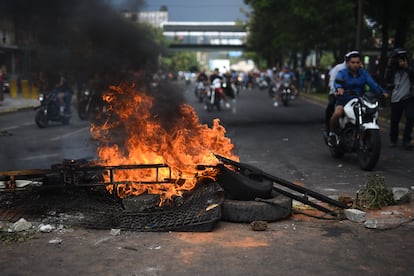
x=286, y=142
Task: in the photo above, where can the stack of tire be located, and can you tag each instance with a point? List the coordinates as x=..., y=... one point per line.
x=250, y=197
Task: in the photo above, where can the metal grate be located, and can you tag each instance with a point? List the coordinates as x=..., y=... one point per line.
x=199, y=211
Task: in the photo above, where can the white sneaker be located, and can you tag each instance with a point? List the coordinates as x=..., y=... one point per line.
x=227, y=105
x=275, y=104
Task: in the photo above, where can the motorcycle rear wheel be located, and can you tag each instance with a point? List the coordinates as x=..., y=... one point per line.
x=41, y=119
x=369, y=154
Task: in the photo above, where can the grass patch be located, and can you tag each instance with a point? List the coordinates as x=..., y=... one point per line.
x=8, y=237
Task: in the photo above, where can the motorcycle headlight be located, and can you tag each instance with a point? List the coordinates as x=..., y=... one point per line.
x=41, y=97
x=86, y=92
x=369, y=110
x=369, y=107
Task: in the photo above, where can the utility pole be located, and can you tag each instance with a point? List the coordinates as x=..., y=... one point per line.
x=359, y=27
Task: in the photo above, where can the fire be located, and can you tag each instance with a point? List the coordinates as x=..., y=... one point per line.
x=135, y=133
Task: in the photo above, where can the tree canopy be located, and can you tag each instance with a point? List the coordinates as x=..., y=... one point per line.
x=282, y=31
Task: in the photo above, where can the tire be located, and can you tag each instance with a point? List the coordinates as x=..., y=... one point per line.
x=368, y=156
x=209, y=107
x=66, y=120
x=285, y=99
x=336, y=153
x=41, y=119
x=244, y=185
x=276, y=208
x=82, y=113
x=271, y=93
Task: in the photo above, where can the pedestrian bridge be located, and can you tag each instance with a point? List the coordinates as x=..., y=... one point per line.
x=207, y=36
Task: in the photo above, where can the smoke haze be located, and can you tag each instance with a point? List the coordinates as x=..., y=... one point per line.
x=81, y=38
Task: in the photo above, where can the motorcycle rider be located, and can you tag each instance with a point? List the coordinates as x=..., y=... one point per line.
x=401, y=77
x=355, y=78
x=201, y=77
x=285, y=75
x=216, y=81
x=64, y=94
x=331, y=84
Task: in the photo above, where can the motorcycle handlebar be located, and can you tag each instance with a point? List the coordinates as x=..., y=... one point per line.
x=367, y=93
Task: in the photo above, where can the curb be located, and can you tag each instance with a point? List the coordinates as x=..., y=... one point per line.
x=15, y=109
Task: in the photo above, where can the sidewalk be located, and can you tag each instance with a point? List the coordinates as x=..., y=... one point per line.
x=10, y=104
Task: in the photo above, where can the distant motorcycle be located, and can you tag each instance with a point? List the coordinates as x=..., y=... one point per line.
x=285, y=92
x=201, y=91
x=49, y=110
x=358, y=131
x=89, y=104
x=214, y=96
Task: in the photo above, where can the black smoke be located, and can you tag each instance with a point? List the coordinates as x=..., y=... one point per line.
x=81, y=38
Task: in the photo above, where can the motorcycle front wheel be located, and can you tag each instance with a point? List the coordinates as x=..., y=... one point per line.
x=41, y=119
x=369, y=153
x=83, y=110
x=285, y=99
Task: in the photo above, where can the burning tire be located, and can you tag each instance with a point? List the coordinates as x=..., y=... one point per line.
x=273, y=209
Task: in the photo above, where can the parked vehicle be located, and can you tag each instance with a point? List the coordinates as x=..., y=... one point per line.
x=358, y=130
x=49, y=110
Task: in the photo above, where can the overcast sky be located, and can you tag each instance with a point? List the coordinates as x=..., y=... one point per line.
x=200, y=10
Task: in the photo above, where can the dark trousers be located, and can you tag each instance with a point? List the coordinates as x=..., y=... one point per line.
x=330, y=108
x=397, y=110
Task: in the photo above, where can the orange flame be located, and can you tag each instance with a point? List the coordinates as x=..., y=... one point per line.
x=145, y=140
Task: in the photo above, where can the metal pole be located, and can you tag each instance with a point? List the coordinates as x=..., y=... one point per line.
x=359, y=26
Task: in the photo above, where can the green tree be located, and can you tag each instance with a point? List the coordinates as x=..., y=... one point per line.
x=180, y=61
x=280, y=30
x=393, y=20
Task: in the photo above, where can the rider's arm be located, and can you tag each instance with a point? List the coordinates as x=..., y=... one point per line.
x=375, y=87
x=333, y=74
x=338, y=86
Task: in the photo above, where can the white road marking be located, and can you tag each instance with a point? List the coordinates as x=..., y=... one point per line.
x=60, y=137
x=17, y=126
x=42, y=156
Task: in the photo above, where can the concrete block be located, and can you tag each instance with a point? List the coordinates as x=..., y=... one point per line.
x=355, y=215
x=401, y=194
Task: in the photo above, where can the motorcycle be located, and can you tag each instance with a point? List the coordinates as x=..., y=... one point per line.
x=358, y=130
x=201, y=91
x=214, y=96
x=285, y=92
x=49, y=110
x=273, y=88
x=89, y=104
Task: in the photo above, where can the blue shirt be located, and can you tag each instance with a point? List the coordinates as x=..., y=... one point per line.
x=356, y=83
